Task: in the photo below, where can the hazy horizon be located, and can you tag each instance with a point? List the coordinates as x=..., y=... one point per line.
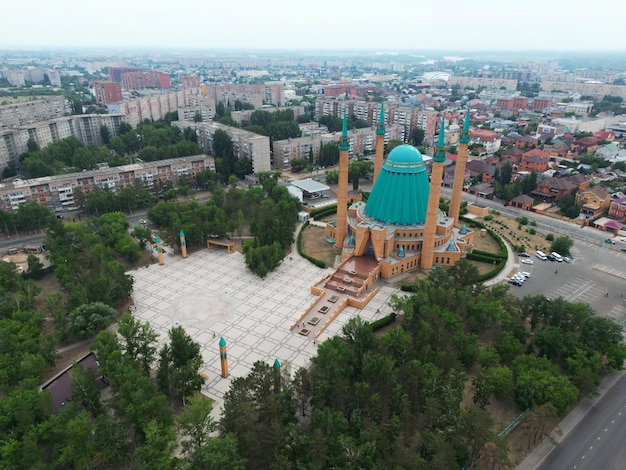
x=248, y=25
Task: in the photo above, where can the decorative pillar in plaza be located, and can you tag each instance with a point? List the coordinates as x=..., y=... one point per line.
x=276, y=376
x=183, y=244
x=223, y=357
x=432, y=213
x=459, y=171
x=159, y=247
x=380, y=144
x=342, y=186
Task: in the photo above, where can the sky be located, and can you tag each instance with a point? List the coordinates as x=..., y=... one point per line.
x=383, y=25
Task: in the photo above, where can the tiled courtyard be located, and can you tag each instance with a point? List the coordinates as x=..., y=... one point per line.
x=212, y=294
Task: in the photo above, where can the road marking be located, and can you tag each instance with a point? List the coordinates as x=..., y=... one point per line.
x=619, y=414
x=606, y=429
x=598, y=437
x=590, y=447
x=583, y=458
x=612, y=421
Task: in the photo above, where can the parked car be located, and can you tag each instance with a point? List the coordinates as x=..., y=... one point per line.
x=557, y=256
x=551, y=257
x=515, y=282
x=527, y=261
x=610, y=240
x=541, y=255
x=566, y=259
x=525, y=274
x=623, y=239
x=523, y=255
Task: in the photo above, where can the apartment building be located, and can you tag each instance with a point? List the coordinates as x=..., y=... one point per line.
x=85, y=127
x=409, y=117
x=240, y=116
x=256, y=147
x=476, y=82
x=154, y=106
x=115, y=73
x=20, y=114
x=597, y=90
x=107, y=93
x=256, y=94
x=149, y=79
x=362, y=142
x=190, y=82
x=58, y=192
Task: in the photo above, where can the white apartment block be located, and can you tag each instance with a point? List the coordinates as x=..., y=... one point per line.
x=256, y=147
x=58, y=192
x=20, y=114
x=362, y=142
x=85, y=127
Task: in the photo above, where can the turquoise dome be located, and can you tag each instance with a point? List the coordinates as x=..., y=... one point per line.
x=400, y=195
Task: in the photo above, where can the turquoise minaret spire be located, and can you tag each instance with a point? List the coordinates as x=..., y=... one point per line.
x=276, y=376
x=345, y=143
x=440, y=151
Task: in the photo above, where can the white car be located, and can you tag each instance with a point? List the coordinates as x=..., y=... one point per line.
x=523, y=273
x=566, y=259
x=527, y=261
x=623, y=239
x=541, y=256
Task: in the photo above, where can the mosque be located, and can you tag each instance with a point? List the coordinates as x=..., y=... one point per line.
x=400, y=228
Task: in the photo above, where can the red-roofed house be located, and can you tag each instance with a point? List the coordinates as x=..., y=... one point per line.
x=609, y=136
x=522, y=201
x=585, y=145
x=535, y=160
x=617, y=209
x=593, y=201
x=488, y=139
x=552, y=189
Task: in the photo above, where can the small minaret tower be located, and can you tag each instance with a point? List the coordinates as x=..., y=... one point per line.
x=223, y=357
x=459, y=171
x=276, y=376
x=432, y=214
x=183, y=244
x=342, y=186
x=159, y=247
x=380, y=143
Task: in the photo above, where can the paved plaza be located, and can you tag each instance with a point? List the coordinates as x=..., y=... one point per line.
x=212, y=294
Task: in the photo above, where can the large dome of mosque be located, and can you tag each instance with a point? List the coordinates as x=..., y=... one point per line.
x=400, y=195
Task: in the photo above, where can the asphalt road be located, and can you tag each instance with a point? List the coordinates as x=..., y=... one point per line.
x=597, y=441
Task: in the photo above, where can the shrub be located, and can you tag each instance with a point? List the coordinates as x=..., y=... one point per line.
x=550, y=237
x=317, y=262
x=384, y=321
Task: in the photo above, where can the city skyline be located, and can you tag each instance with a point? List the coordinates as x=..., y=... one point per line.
x=394, y=26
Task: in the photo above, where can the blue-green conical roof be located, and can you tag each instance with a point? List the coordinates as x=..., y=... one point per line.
x=222, y=342
x=400, y=195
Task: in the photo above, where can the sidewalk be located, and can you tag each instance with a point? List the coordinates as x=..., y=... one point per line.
x=508, y=267
x=567, y=424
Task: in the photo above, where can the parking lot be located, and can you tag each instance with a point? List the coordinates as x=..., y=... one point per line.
x=596, y=276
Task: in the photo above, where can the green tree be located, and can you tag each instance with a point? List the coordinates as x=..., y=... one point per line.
x=562, y=245
x=179, y=363
x=417, y=136
x=87, y=320
x=197, y=117
x=138, y=340
x=35, y=267
x=105, y=134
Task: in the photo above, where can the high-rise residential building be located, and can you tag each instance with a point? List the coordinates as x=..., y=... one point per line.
x=256, y=147
x=190, y=82
x=20, y=114
x=149, y=79
x=115, y=73
x=85, y=127
x=107, y=92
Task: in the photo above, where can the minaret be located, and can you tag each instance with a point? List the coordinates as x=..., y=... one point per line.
x=342, y=186
x=459, y=171
x=223, y=357
x=432, y=214
x=183, y=244
x=159, y=247
x=380, y=144
x=276, y=376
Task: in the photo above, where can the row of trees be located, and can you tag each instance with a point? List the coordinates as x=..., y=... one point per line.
x=504, y=186
x=268, y=213
x=150, y=141
x=86, y=259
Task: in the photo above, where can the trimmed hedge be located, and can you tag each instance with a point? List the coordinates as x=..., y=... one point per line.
x=384, y=321
x=499, y=267
x=487, y=253
x=317, y=262
x=323, y=212
x=408, y=288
